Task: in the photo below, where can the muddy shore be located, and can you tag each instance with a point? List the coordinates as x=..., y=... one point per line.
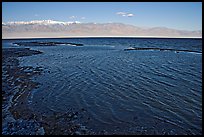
x=17, y=117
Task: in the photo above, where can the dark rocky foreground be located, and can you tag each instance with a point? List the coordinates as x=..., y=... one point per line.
x=17, y=117
x=46, y=43
x=15, y=83
x=161, y=49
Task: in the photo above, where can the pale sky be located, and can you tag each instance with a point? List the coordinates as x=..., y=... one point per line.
x=176, y=15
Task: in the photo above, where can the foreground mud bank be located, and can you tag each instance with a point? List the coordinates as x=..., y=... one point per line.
x=16, y=85
x=17, y=117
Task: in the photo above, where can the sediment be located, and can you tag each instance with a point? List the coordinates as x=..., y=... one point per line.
x=46, y=43
x=17, y=116
x=162, y=49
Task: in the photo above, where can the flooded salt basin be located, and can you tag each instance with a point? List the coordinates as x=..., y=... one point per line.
x=156, y=92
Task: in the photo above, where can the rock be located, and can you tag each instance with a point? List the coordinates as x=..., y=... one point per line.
x=4, y=98
x=10, y=119
x=70, y=115
x=83, y=128
x=40, y=131
x=75, y=116
x=77, y=133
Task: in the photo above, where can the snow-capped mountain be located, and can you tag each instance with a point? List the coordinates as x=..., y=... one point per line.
x=51, y=28
x=40, y=22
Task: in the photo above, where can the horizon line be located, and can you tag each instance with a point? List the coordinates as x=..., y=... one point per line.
x=100, y=37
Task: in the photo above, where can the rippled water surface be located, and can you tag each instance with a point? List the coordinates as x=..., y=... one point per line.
x=122, y=90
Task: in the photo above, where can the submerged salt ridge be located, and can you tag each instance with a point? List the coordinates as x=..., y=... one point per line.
x=124, y=92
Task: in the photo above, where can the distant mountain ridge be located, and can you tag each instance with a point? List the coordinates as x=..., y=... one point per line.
x=42, y=22
x=51, y=28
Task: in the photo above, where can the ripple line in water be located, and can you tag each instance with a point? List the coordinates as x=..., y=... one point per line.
x=168, y=121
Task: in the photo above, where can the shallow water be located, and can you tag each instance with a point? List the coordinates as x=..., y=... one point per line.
x=122, y=90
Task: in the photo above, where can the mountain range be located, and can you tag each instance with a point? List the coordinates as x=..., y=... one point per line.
x=51, y=28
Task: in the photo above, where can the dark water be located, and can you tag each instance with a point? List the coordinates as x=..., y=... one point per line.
x=157, y=91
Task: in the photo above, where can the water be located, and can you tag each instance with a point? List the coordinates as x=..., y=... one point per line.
x=122, y=90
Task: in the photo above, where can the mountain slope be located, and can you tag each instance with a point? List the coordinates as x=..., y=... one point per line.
x=50, y=28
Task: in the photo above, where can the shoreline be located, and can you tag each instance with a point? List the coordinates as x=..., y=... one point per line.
x=17, y=117
x=16, y=86
x=62, y=37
